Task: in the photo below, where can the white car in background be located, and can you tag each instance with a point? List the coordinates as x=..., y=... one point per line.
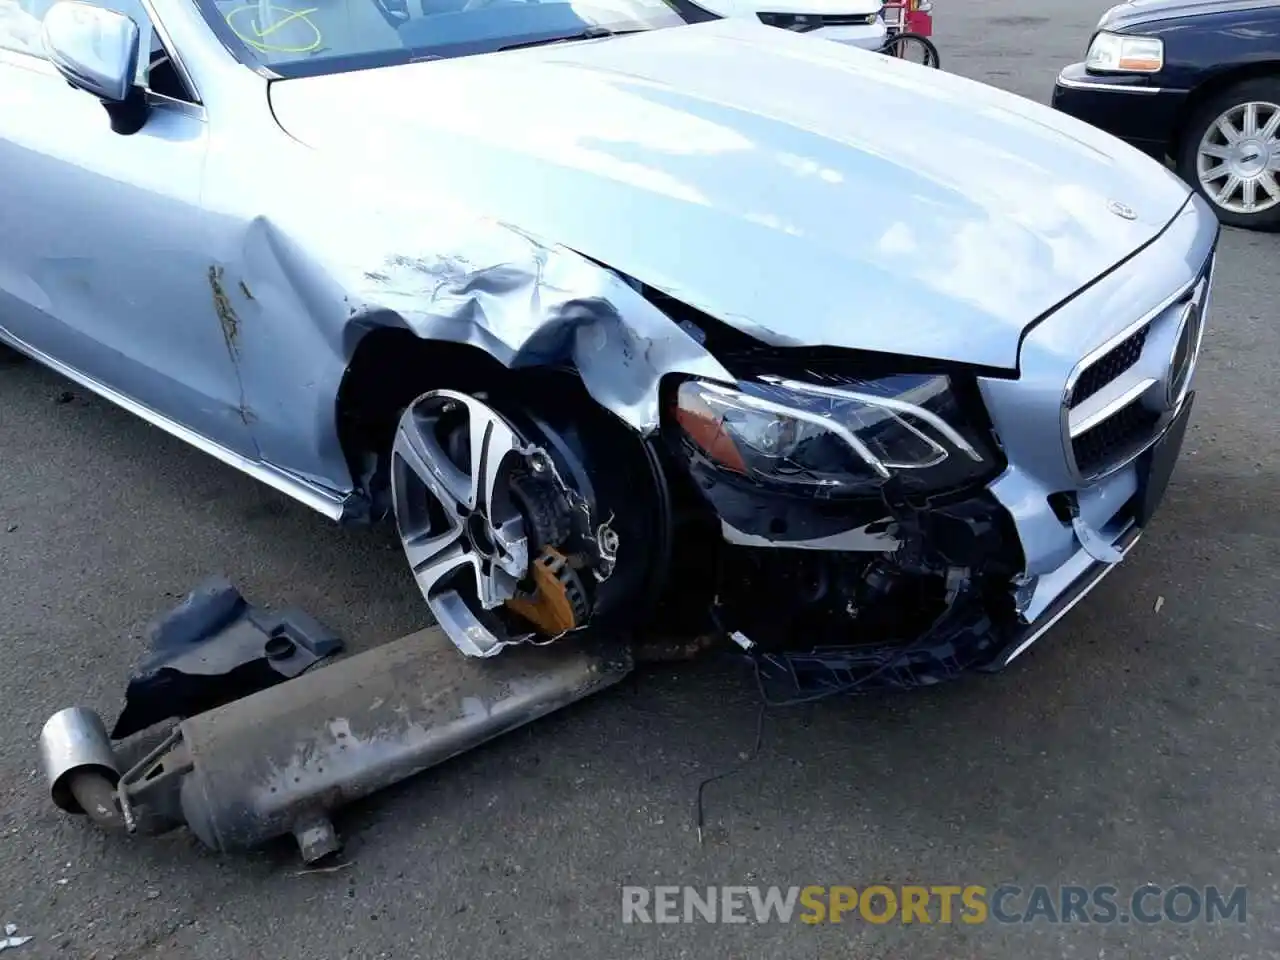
x=857, y=23
x=20, y=30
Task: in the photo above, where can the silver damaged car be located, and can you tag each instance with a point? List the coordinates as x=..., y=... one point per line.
x=630, y=323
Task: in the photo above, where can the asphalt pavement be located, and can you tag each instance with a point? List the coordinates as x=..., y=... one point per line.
x=1137, y=744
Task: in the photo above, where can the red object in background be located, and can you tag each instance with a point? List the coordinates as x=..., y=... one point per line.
x=920, y=18
x=910, y=16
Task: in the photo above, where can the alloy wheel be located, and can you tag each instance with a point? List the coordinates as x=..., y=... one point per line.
x=451, y=467
x=1238, y=160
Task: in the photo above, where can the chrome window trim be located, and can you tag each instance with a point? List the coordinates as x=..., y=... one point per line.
x=185, y=107
x=166, y=40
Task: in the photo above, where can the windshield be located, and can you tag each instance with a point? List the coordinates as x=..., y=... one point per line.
x=304, y=37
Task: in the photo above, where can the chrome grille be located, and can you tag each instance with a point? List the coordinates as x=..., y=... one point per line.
x=849, y=19
x=1121, y=397
x=804, y=22
x=1112, y=365
x=1114, y=439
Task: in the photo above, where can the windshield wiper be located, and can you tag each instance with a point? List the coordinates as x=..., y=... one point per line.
x=588, y=33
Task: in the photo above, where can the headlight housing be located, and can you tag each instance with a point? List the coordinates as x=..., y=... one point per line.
x=836, y=440
x=1117, y=53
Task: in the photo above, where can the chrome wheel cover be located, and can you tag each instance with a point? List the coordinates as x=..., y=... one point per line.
x=463, y=537
x=1238, y=160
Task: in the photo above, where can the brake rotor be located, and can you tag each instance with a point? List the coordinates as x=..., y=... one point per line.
x=559, y=600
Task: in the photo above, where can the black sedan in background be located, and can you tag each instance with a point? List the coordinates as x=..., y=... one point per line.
x=1196, y=81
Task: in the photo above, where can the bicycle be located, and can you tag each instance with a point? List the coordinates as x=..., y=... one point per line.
x=913, y=46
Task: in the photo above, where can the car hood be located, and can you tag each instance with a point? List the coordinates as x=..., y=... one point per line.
x=823, y=8
x=1135, y=13
x=806, y=193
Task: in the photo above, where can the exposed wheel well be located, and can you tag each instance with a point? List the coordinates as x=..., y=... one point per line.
x=1214, y=86
x=390, y=367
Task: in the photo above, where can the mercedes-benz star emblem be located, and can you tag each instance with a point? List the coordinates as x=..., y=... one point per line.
x=1122, y=210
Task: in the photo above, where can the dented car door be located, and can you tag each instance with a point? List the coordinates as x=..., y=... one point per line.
x=103, y=266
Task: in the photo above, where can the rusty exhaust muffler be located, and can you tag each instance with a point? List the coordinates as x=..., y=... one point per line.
x=281, y=760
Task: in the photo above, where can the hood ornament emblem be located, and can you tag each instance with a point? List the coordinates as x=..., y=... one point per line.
x=1122, y=210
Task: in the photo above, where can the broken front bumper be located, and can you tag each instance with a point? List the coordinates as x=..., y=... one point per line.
x=978, y=631
x=1121, y=413
x=1050, y=597
x=1089, y=433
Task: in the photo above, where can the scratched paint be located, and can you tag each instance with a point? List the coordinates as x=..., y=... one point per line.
x=227, y=318
x=229, y=321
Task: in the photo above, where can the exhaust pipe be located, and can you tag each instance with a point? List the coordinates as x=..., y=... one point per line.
x=81, y=766
x=280, y=761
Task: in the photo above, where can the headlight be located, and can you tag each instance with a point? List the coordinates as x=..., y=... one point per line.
x=836, y=440
x=1120, y=54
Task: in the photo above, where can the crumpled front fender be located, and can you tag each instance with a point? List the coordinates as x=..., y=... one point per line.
x=529, y=304
x=302, y=295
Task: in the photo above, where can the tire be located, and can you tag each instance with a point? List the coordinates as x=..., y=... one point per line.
x=1234, y=176
x=915, y=47
x=468, y=550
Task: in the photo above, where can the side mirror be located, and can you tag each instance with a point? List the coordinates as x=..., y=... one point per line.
x=96, y=50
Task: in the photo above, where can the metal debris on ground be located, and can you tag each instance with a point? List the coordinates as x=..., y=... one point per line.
x=277, y=761
x=334, y=868
x=10, y=937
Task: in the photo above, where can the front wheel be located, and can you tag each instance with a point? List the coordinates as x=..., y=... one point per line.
x=527, y=513
x=915, y=47
x=1230, y=154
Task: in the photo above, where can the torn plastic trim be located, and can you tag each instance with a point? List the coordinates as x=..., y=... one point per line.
x=1033, y=596
x=751, y=515
x=1084, y=577
x=214, y=647
x=1093, y=543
